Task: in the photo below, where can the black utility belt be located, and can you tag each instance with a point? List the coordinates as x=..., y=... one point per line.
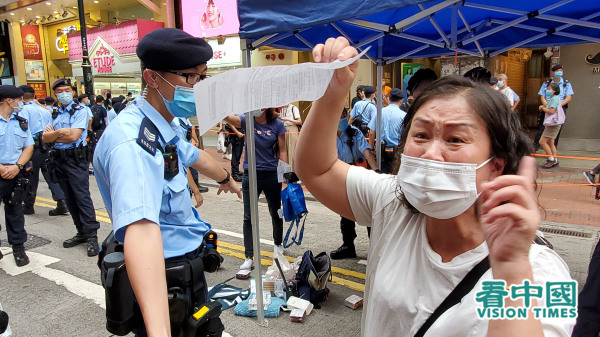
x=71, y=153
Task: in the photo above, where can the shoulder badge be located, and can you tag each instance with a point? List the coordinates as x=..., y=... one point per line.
x=148, y=136
x=23, y=122
x=182, y=123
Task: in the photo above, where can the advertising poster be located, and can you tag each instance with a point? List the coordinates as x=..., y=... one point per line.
x=39, y=88
x=210, y=18
x=408, y=70
x=32, y=48
x=34, y=70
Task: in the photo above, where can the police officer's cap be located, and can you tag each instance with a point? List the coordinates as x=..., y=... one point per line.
x=49, y=100
x=10, y=91
x=61, y=83
x=27, y=88
x=396, y=95
x=369, y=90
x=82, y=96
x=116, y=100
x=172, y=49
x=556, y=67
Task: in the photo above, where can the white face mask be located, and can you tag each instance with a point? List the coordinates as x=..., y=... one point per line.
x=441, y=190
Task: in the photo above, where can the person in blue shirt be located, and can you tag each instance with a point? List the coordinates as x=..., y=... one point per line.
x=69, y=131
x=147, y=200
x=16, y=148
x=269, y=135
x=365, y=109
x=111, y=113
x=353, y=149
x=39, y=117
x=565, y=96
x=84, y=102
x=391, y=129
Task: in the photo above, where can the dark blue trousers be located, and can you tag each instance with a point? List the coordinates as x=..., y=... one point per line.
x=74, y=180
x=588, y=306
x=37, y=160
x=13, y=214
x=267, y=183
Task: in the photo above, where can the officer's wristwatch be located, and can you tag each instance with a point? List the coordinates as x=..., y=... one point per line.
x=20, y=166
x=226, y=180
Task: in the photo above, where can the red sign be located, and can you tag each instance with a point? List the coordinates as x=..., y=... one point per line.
x=102, y=60
x=31, y=42
x=40, y=89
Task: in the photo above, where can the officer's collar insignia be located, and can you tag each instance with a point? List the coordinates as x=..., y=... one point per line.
x=147, y=137
x=182, y=123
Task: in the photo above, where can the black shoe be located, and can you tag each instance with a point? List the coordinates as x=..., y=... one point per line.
x=202, y=189
x=344, y=252
x=92, y=246
x=591, y=178
x=21, y=259
x=74, y=241
x=61, y=208
x=28, y=210
x=237, y=177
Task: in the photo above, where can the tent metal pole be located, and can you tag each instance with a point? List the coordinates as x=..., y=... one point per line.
x=251, y=154
x=369, y=40
x=378, y=139
x=336, y=27
x=405, y=55
x=305, y=41
x=573, y=22
x=436, y=26
x=425, y=14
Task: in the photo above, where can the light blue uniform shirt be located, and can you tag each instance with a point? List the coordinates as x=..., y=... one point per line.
x=131, y=180
x=87, y=110
x=79, y=120
x=391, y=124
x=565, y=90
x=12, y=140
x=360, y=144
x=110, y=115
x=366, y=108
x=38, y=117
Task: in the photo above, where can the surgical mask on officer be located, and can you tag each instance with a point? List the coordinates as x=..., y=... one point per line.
x=65, y=98
x=19, y=106
x=183, y=104
x=558, y=74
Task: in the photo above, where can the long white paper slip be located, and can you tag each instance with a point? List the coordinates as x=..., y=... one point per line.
x=246, y=89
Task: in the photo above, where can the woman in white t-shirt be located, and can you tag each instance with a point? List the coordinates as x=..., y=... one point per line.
x=290, y=115
x=461, y=144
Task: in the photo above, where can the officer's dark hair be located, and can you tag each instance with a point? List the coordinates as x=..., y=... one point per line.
x=479, y=75
x=99, y=99
x=507, y=139
x=555, y=87
x=28, y=95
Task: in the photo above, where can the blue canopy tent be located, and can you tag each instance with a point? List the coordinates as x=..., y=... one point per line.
x=399, y=29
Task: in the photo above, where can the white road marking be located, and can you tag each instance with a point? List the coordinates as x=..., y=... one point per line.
x=241, y=236
x=362, y=262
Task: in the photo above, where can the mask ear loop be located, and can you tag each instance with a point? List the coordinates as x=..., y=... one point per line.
x=485, y=162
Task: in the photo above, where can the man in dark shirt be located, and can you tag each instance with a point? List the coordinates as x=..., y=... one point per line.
x=99, y=114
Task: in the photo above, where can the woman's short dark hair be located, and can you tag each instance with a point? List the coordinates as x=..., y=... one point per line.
x=555, y=87
x=271, y=116
x=507, y=139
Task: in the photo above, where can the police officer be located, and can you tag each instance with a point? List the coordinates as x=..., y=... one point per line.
x=16, y=148
x=69, y=131
x=364, y=110
x=352, y=148
x=565, y=96
x=391, y=129
x=39, y=117
x=158, y=226
x=84, y=102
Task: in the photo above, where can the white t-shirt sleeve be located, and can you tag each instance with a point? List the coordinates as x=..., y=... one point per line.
x=548, y=266
x=365, y=189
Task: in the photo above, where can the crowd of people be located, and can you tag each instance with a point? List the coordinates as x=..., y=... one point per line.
x=455, y=187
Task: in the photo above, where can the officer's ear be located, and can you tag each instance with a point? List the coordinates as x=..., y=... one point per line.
x=150, y=77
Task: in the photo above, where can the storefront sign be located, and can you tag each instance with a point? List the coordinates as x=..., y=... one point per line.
x=58, y=40
x=32, y=49
x=39, y=88
x=34, y=70
x=593, y=59
x=227, y=54
x=204, y=18
x=103, y=60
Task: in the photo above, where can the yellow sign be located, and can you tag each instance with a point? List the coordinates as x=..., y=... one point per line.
x=57, y=38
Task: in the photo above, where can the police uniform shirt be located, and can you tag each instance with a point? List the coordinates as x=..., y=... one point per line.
x=359, y=145
x=185, y=125
x=12, y=140
x=110, y=115
x=565, y=90
x=367, y=108
x=391, y=124
x=87, y=110
x=131, y=178
x=38, y=117
x=79, y=120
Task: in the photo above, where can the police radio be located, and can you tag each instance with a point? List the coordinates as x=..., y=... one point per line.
x=171, y=161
